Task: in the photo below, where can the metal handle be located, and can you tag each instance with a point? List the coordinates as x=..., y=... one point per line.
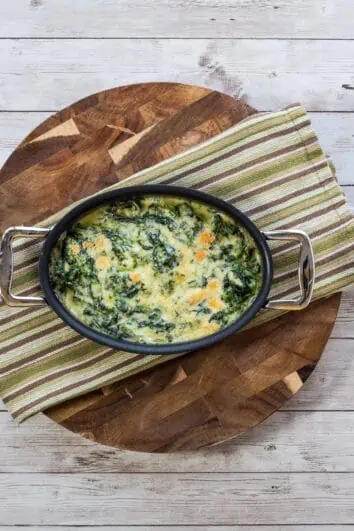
x=306, y=270
x=7, y=265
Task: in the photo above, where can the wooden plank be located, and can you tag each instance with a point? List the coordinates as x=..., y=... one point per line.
x=185, y=528
x=335, y=131
x=330, y=387
x=349, y=194
x=184, y=18
x=336, y=134
x=344, y=326
x=286, y=442
x=50, y=74
x=14, y=127
x=193, y=499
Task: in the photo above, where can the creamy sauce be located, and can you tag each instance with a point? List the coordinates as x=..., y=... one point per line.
x=156, y=270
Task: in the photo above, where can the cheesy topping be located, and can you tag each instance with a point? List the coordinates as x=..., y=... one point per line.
x=156, y=270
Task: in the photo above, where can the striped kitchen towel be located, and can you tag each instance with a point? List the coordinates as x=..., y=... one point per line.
x=271, y=167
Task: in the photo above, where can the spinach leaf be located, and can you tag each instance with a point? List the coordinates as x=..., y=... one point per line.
x=156, y=322
x=202, y=309
x=164, y=257
x=220, y=317
x=122, y=286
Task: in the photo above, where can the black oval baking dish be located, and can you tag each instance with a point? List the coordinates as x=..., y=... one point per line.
x=305, y=268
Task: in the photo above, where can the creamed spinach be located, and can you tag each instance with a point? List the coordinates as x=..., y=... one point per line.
x=158, y=269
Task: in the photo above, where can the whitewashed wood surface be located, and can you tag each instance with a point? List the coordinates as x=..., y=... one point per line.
x=296, y=471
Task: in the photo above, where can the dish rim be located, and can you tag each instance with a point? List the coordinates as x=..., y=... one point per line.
x=129, y=192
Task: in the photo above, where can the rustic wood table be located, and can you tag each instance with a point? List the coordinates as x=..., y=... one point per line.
x=295, y=471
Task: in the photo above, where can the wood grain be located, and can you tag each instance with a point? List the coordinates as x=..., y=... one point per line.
x=335, y=131
x=344, y=326
x=184, y=528
x=76, y=165
x=329, y=19
x=210, y=396
x=288, y=442
x=195, y=499
x=197, y=400
x=42, y=74
x=200, y=399
x=330, y=386
x=182, y=19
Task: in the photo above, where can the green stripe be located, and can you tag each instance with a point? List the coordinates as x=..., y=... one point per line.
x=290, y=163
x=30, y=277
x=73, y=355
x=291, y=210
x=305, y=204
x=321, y=247
x=26, y=326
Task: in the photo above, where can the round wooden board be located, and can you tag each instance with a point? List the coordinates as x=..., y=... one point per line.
x=202, y=398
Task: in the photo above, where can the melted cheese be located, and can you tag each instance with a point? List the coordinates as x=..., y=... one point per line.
x=156, y=270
